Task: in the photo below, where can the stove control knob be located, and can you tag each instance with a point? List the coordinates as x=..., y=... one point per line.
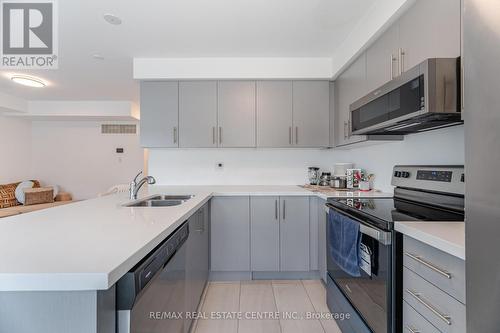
x=405, y=174
x=397, y=174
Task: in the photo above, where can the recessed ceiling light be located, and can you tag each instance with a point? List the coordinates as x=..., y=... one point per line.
x=112, y=19
x=29, y=81
x=97, y=56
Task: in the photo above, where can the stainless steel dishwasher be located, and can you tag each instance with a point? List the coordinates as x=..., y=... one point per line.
x=150, y=297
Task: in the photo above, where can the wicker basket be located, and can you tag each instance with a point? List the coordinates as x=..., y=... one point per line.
x=41, y=195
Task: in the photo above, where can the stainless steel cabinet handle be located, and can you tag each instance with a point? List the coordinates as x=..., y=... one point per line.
x=290, y=135
x=418, y=297
x=345, y=130
x=175, y=134
x=401, y=66
x=214, y=141
x=284, y=209
x=296, y=135
x=220, y=134
x=429, y=265
x=412, y=330
x=276, y=209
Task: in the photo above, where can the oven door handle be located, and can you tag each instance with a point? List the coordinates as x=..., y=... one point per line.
x=383, y=237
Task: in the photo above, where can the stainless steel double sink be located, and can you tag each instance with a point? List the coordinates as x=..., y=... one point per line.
x=160, y=201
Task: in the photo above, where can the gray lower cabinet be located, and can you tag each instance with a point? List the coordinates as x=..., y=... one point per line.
x=197, y=261
x=311, y=113
x=322, y=220
x=198, y=114
x=294, y=234
x=230, y=234
x=274, y=114
x=265, y=233
x=280, y=234
x=159, y=114
x=236, y=114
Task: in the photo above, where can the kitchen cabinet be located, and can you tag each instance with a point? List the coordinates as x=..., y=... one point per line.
x=429, y=29
x=294, y=234
x=198, y=114
x=236, y=114
x=279, y=234
x=159, y=114
x=349, y=86
x=322, y=221
x=265, y=233
x=382, y=59
x=311, y=127
x=230, y=234
x=197, y=250
x=274, y=114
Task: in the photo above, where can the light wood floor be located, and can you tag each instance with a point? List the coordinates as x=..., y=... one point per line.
x=247, y=299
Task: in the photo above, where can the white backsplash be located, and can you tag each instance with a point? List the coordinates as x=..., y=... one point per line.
x=289, y=166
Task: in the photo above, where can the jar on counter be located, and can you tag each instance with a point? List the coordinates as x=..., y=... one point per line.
x=324, y=180
x=339, y=182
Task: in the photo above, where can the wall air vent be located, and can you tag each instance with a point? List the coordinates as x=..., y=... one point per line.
x=118, y=129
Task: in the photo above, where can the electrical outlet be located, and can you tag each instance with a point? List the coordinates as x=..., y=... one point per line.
x=219, y=166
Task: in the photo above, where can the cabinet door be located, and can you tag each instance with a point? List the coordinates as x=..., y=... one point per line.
x=198, y=114
x=311, y=113
x=230, y=234
x=236, y=114
x=381, y=59
x=159, y=114
x=274, y=113
x=294, y=234
x=322, y=238
x=264, y=235
x=430, y=29
x=350, y=86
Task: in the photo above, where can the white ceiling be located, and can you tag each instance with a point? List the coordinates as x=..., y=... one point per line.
x=181, y=28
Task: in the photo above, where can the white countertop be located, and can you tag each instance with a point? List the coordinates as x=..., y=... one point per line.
x=89, y=245
x=448, y=237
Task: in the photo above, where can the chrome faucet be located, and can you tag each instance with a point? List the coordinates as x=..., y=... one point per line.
x=135, y=185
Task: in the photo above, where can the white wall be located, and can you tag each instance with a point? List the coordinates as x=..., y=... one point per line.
x=287, y=167
x=241, y=166
x=76, y=156
x=15, y=149
x=444, y=146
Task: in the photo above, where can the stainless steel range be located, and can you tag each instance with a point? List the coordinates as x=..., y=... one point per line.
x=371, y=292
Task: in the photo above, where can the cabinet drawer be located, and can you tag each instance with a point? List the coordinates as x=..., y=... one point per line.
x=413, y=322
x=439, y=308
x=439, y=268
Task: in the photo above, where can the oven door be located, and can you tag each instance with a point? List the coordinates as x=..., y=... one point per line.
x=370, y=293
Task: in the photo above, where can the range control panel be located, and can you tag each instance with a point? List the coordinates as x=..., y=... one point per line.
x=449, y=179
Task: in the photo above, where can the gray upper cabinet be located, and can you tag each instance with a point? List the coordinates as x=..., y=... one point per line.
x=382, y=59
x=294, y=234
x=274, y=114
x=230, y=234
x=159, y=114
x=265, y=233
x=236, y=114
x=311, y=110
x=198, y=114
x=349, y=87
x=430, y=29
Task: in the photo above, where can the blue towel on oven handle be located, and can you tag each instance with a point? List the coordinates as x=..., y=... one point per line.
x=344, y=242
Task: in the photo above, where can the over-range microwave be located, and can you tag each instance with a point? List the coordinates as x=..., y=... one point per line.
x=423, y=98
